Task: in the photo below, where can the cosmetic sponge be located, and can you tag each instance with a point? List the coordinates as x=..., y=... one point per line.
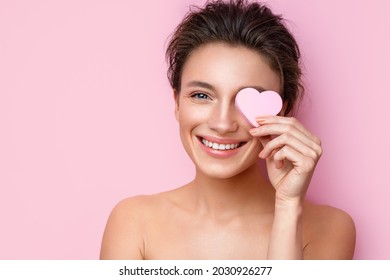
x=252, y=103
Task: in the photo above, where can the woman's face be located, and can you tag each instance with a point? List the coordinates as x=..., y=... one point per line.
x=205, y=107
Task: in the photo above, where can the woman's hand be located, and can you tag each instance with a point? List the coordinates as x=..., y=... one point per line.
x=291, y=154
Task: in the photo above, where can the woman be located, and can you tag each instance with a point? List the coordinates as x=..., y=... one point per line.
x=229, y=210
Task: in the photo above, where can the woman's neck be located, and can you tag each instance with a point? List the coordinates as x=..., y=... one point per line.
x=247, y=192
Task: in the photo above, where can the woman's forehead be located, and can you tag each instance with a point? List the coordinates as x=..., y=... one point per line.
x=218, y=65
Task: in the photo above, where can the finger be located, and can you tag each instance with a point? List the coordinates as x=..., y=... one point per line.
x=279, y=164
x=264, y=140
x=301, y=163
x=289, y=131
x=287, y=140
x=289, y=122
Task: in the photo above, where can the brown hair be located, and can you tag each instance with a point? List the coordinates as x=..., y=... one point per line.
x=239, y=22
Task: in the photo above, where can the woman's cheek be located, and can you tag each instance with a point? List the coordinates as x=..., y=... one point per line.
x=194, y=113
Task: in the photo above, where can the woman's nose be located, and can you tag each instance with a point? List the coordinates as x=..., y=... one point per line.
x=223, y=118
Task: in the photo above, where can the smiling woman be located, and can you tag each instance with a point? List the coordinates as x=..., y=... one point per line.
x=215, y=118
x=229, y=210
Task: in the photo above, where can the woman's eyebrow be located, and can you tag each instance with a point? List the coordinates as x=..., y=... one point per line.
x=211, y=87
x=200, y=84
x=258, y=88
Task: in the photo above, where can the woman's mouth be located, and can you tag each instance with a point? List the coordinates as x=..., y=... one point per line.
x=220, y=147
x=219, y=150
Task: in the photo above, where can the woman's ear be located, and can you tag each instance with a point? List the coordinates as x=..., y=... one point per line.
x=176, y=98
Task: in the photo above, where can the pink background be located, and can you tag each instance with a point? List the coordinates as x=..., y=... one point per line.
x=86, y=116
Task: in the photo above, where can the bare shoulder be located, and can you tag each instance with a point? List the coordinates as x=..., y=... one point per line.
x=329, y=233
x=124, y=235
x=135, y=207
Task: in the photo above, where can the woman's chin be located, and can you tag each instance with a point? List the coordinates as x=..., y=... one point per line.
x=220, y=172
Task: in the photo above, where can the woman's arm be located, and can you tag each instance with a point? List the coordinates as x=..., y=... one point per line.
x=291, y=153
x=286, y=234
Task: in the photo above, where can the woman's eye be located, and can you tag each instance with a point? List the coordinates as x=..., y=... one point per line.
x=200, y=95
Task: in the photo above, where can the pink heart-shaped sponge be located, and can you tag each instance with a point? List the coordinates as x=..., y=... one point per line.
x=253, y=103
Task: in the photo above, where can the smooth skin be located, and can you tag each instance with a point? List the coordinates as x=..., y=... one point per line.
x=229, y=210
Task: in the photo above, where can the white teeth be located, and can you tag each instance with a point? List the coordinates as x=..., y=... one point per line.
x=217, y=146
